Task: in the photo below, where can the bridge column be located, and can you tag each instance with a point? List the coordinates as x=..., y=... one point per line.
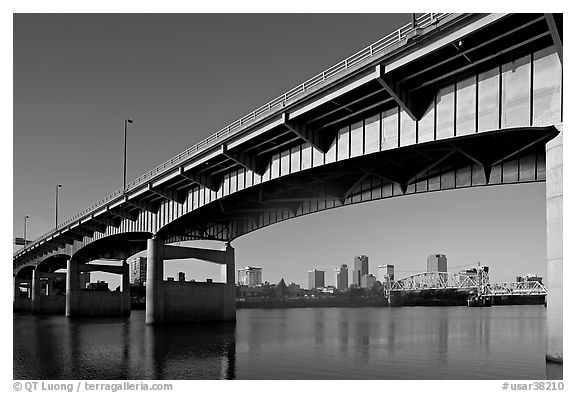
x=72, y=288
x=36, y=290
x=155, y=281
x=554, y=211
x=228, y=276
x=125, y=289
x=175, y=301
x=21, y=303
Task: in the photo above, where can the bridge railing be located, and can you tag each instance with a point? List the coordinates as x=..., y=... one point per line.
x=359, y=57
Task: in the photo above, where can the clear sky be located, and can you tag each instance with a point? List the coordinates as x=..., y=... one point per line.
x=183, y=77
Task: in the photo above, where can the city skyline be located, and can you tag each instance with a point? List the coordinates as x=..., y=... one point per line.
x=118, y=84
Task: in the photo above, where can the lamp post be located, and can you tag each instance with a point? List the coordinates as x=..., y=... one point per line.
x=25, y=218
x=126, y=121
x=57, y=188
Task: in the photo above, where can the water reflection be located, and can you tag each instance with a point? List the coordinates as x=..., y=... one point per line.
x=60, y=348
x=503, y=342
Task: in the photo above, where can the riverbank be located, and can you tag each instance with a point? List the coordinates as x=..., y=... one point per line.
x=314, y=302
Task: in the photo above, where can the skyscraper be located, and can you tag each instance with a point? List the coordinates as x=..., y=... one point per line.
x=315, y=279
x=385, y=273
x=137, y=270
x=250, y=276
x=437, y=263
x=360, y=269
x=342, y=277
x=367, y=281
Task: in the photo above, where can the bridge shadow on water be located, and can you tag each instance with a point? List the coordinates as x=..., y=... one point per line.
x=55, y=347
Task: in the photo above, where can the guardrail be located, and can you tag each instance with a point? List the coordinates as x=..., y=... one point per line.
x=359, y=57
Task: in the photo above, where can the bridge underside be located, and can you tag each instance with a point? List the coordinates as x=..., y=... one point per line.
x=492, y=158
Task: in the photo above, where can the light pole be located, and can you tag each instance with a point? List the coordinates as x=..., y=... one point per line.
x=126, y=121
x=25, y=218
x=57, y=188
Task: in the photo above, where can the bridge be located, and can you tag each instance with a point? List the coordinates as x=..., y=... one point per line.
x=450, y=101
x=480, y=283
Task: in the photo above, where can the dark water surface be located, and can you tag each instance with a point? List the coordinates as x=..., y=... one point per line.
x=506, y=342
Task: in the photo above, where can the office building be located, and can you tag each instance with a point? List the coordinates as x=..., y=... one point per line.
x=137, y=270
x=386, y=273
x=250, y=276
x=437, y=263
x=367, y=281
x=360, y=269
x=315, y=279
x=342, y=277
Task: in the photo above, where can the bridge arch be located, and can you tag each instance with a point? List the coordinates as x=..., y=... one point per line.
x=117, y=246
x=25, y=272
x=53, y=263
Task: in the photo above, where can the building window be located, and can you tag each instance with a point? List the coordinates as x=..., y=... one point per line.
x=547, y=88
x=445, y=113
x=516, y=93
x=390, y=129
x=285, y=163
x=466, y=106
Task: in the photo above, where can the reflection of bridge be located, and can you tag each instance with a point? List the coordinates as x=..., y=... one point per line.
x=458, y=100
x=478, y=283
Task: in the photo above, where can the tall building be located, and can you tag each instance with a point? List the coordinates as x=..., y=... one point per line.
x=385, y=273
x=315, y=279
x=437, y=263
x=342, y=277
x=137, y=270
x=360, y=269
x=250, y=276
x=367, y=281
x=84, y=280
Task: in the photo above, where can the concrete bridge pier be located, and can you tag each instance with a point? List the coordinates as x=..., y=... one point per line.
x=554, y=212
x=83, y=303
x=49, y=303
x=175, y=301
x=72, y=288
x=22, y=301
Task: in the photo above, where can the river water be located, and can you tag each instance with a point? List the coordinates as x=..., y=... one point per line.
x=504, y=342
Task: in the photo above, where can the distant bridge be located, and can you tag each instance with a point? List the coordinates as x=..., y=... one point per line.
x=479, y=283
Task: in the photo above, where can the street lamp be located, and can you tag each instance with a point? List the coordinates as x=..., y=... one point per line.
x=126, y=121
x=25, y=218
x=57, y=188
